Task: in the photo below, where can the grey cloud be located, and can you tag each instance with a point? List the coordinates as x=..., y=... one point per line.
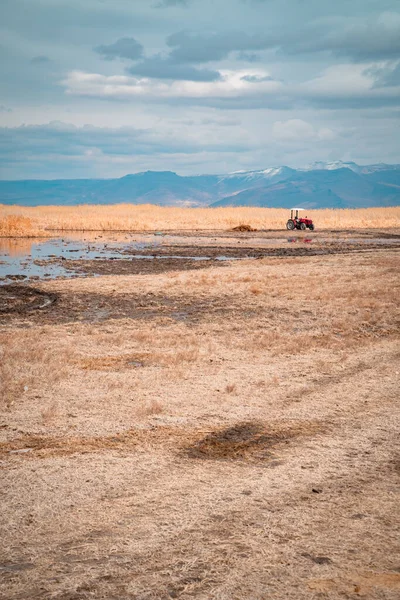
x=243, y=103
x=5, y=109
x=250, y=57
x=167, y=3
x=257, y=78
x=351, y=102
x=296, y=41
x=63, y=139
x=122, y=48
x=333, y=89
x=200, y=48
x=61, y=150
x=221, y=122
x=40, y=60
x=57, y=21
x=160, y=68
x=386, y=77
x=292, y=99
x=360, y=41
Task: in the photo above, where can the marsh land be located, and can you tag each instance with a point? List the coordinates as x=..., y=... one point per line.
x=206, y=414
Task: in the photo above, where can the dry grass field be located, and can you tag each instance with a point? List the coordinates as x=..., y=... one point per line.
x=224, y=433
x=23, y=221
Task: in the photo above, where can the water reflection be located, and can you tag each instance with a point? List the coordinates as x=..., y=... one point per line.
x=15, y=246
x=22, y=258
x=44, y=258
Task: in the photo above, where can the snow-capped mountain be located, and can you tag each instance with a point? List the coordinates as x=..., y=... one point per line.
x=324, y=184
x=269, y=173
x=338, y=164
x=331, y=166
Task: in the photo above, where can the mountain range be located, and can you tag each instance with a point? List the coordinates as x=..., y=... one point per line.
x=321, y=185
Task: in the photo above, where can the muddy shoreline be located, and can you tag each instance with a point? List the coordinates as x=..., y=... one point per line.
x=22, y=296
x=30, y=261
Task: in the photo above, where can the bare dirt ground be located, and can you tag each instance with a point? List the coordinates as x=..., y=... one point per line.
x=205, y=429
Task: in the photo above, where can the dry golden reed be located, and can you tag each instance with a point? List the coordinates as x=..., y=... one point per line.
x=13, y=225
x=27, y=221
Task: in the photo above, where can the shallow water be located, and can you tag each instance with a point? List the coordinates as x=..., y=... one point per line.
x=33, y=259
x=22, y=259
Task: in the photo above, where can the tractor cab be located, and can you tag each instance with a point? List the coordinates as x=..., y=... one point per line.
x=297, y=222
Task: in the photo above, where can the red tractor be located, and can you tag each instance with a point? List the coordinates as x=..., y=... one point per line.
x=295, y=222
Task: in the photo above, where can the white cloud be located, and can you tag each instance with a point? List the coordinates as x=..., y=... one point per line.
x=297, y=130
x=337, y=86
x=354, y=82
x=232, y=84
x=343, y=78
x=335, y=71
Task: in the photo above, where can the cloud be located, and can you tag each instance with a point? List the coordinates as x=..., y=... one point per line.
x=387, y=76
x=347, y=86
x=59, y=149
x=158, y=67
x=297, y=130
x=360, y=40
x=169, y=3
x=232, y=84
x=66, y=139
x=337, y=87
x=250, y=57
x=40, y=60
x=332, y=67
x=201, y=48
x=5, y=109
x=257, y=78
x=122, y=48
x=186, y=49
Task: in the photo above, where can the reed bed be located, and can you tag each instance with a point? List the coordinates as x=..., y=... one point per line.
x=15, y=225
x=22, y=221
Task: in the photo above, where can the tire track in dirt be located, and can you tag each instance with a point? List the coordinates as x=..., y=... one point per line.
x=219, y=539
x=213, y=550
x=319, y=384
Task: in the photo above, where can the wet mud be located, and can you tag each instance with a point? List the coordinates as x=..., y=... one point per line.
x=189, y=258
x=21, y=302
x=34, y=260
x=23, y=299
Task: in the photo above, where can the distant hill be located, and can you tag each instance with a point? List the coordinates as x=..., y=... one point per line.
x=329, y=185
x=338, y=188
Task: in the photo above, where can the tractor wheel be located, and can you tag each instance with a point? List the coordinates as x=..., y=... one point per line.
x=311, y=227
x=303, y=226
x=290, y=225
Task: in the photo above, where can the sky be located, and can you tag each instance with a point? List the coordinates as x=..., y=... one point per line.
x=102, y=88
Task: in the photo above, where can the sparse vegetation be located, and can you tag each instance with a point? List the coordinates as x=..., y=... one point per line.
x=210, y=451
x=230, y=388
x=152, y=407
x=50, y=414
x=28, y=365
